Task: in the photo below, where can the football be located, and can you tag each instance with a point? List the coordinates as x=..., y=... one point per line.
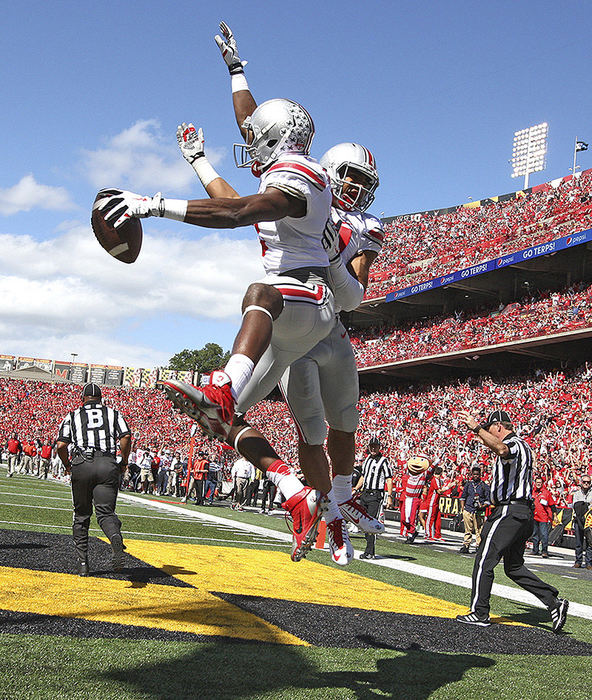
x=123, y=243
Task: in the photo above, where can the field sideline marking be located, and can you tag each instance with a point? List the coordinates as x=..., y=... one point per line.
x=218, y=541
x=236, y=524
x=503, y=591
x=69, y=510
x=517, y=595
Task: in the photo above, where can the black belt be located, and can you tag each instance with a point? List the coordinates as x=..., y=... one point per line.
x=91, y=452
x=508, y=502
x=375, y=490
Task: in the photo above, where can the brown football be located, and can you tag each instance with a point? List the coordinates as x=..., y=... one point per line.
x=123, y=243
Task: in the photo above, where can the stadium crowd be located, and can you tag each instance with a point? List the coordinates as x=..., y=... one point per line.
x=552, y=410
x=542, y=314
x=420, y=247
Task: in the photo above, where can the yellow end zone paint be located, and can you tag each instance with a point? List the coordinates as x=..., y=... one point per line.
x=171, y=608
x=273, y=575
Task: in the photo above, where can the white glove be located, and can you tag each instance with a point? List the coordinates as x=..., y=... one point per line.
x=229, y=50
x=123, y=205
x=191, y=142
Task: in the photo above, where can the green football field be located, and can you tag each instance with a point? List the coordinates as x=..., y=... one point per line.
x=212, y=607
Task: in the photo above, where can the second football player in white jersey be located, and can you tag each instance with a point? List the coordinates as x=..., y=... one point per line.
x=324, y=382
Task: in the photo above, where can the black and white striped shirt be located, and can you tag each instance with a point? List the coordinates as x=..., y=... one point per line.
x=376, y=470
x=512, y=476
x=94, y=425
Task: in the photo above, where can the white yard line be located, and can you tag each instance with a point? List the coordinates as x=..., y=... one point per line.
x=518, y=595
x=149, y=534
x=127, y=515
x=508, y=592
x=206, y=517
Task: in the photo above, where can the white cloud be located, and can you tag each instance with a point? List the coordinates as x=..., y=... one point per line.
x=68, y=292
x=29, y=194
x=143, y=159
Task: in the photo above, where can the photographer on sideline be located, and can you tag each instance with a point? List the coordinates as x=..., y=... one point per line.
x=474, y=500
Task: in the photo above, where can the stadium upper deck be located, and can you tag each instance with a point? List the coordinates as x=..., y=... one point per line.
x=426, y=245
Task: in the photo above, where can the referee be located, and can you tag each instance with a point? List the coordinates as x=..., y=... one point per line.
x=376, y=473
x=510, y=524
x=92, y=432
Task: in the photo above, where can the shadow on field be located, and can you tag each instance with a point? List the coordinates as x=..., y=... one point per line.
x=240, y=670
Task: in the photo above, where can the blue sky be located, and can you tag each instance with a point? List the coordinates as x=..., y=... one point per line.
x=93, y=94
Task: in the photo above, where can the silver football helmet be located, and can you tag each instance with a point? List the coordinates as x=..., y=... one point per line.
x=275, y=127
x=339, y=162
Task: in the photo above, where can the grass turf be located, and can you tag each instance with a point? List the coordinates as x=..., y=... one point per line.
x=49, y=667
x=34, y=666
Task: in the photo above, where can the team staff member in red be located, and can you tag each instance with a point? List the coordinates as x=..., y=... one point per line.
x=543, y=517
x=45, y=459
x=15, y=449
x=437, y=488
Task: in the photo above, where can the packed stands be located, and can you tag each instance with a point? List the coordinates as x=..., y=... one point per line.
x=552, y=410
x=543, y=314
x=423, y=246
x=36, y=409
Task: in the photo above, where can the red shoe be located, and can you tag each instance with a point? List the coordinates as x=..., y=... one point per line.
x=212, y=406
x=356, y=514
x=342, y=551
x=306, y=508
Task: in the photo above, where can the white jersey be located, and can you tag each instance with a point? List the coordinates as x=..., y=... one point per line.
x=358, y=232
x=292, y=243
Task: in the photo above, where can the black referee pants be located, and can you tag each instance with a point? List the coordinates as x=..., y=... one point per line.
x=504, y=535
x=95, y=481
x=370, y=500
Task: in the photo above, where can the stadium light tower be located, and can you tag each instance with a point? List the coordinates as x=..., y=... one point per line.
x=529, y=151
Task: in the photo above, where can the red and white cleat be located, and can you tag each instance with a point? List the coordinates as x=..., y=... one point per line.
x=356, y=514
x=212, y=406
x=306, y=508
x=342, y=551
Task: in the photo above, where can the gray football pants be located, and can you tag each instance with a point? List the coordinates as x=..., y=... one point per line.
x=94, y=481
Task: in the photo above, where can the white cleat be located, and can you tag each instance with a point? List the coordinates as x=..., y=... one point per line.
x=342, y=551
x=356, y=514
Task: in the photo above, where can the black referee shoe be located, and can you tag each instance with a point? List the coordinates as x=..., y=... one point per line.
x=83, y=568
x=474, y=619
x=117, y=547
x=559, y=614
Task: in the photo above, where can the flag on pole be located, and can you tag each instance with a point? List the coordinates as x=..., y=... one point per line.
x=581, y=146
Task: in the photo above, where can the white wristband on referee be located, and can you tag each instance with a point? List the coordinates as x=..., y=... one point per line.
x=204, y=170
x=174, y=209
x=238, y=82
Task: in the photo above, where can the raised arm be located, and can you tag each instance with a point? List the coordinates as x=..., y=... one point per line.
x=242, y=100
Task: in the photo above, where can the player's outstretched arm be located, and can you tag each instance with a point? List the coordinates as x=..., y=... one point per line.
x=271, y=205
x=191, y=144
x=242, y=100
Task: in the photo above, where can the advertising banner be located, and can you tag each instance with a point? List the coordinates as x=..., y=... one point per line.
x=490, y=265
x=23, y=362
x=113, y=375
x=97, y=374
x=7, y=363
x=62, y=370
x=78, y=372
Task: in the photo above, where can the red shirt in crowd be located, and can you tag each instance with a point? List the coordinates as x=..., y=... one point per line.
x=543, y=513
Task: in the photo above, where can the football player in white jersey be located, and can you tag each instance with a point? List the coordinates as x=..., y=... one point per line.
x=286, y=313
x=324, y=382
